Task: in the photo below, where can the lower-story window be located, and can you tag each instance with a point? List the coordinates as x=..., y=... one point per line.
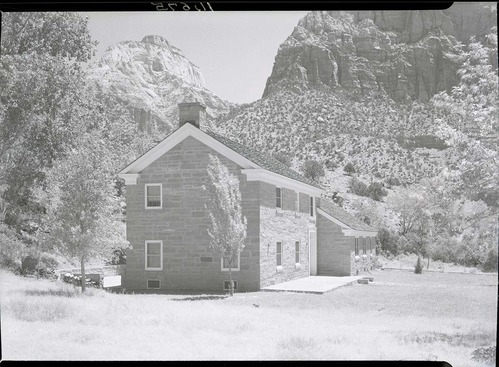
x=278, y=254
x=364, y=245
x=153, y=284
x=154, y=255
x=227, y=285
x=297, y=252
x=356, y=246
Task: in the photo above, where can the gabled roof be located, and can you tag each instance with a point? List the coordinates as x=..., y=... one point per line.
x=248, y=158
x=264, y=161
x=344, y=217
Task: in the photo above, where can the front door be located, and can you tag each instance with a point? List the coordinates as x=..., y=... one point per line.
x=312, y=234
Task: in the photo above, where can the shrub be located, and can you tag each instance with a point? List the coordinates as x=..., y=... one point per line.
x=349, y=168
x=357, y=187
x=388, y=242
x=490, y=264
x=29, y=264
x=392, y=181
x=10, y=249
x=118, y=257
x=48, y=262
x=376, y=191
x=331, y=164
x=418, y=269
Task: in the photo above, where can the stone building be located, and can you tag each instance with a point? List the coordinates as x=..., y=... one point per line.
x=291, y=231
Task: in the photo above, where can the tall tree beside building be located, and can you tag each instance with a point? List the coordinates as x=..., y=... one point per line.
x=228, y=225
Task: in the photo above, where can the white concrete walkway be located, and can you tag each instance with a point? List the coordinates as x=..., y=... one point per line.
x=313, y=284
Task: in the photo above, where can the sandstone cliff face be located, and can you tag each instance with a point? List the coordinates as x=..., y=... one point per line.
x=405, y=54
x=153, y=76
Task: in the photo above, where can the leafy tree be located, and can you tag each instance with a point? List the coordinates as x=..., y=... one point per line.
x=83, y=216
x=313, y=170
x=228, y=225
x=41, y=75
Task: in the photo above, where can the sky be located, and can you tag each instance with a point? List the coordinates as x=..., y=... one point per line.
x=235, y=51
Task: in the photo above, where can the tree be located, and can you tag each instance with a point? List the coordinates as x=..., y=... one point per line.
x=83, y=216
x=418, y=269
x=41, y=75
x=313, y=170
x=228, y=226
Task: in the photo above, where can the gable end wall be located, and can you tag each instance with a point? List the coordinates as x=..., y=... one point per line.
x=182, y=225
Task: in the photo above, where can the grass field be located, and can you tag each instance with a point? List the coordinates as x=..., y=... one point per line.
x=433, y=316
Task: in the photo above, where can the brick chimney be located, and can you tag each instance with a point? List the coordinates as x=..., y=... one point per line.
x=193, y=113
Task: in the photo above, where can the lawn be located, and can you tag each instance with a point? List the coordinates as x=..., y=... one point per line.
x=433, y=316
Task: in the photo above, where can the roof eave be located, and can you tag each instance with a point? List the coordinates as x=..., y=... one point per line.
x=346, y=229
x=264, y=175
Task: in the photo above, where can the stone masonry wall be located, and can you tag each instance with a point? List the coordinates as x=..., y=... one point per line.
x=182, y=224
x=287, y=226
x=333, y=250
x=362, y=263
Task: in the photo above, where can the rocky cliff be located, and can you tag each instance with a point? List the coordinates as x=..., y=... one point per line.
x=152, y=77
x=409, y=55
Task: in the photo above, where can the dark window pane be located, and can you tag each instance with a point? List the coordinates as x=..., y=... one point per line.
x=153, y=261
x=153, y=248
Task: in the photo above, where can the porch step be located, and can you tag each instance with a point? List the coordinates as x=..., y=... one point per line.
x=363, y=281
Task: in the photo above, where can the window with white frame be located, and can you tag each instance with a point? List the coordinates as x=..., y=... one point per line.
x=356, y=246
x=278, y=197
x=297, y=202
x=279, y=254
x=311, y=206
x=153, y=196
x=235, y=263
x=154, y=255
x=297, y=252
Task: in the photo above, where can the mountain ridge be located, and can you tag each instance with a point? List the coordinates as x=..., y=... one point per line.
x=152, y=76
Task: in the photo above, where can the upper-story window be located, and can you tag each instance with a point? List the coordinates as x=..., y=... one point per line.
x=278, y=197
x=153, y=196
x=234, y=266
x=312, y=213
x=297, y=202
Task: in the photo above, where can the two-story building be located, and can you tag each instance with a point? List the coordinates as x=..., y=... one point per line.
x=291, y=231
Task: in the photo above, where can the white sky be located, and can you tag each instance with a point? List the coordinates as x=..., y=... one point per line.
x=235, y=51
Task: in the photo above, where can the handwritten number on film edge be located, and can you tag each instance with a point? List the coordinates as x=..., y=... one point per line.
x=185, y=7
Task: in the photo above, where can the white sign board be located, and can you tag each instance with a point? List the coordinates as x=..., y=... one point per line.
x=113, y=281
